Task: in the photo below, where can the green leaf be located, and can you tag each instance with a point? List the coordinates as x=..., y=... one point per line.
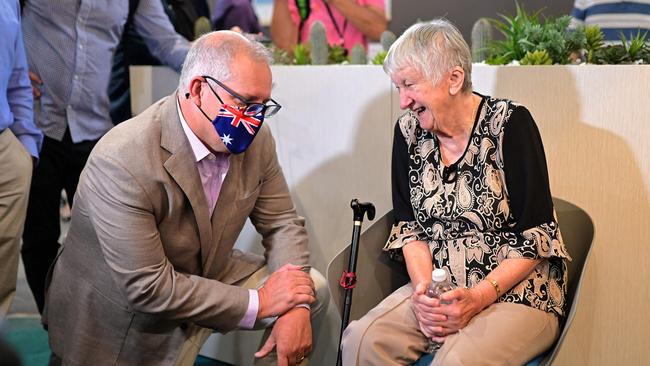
x=379, y=58
x=301, y=55
x=537, y=58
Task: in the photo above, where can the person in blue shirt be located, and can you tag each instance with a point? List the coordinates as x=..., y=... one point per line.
x=69, y=46
x=20, y=142
x=132, y=50
x=613, y=17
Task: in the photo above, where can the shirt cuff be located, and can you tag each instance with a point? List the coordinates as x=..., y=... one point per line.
x=248, y=321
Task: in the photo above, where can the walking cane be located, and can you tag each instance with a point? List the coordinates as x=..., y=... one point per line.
x=349, y=278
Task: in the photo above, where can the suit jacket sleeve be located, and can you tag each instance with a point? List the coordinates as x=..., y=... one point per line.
x=121, y=213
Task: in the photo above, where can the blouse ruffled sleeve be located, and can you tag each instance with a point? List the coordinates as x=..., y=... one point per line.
x=536, y=233
x=405, y=229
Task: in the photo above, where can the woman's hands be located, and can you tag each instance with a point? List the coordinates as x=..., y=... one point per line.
x=428, y=313
x=439, y=318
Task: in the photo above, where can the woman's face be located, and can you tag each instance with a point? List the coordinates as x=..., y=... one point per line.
x=417, y=93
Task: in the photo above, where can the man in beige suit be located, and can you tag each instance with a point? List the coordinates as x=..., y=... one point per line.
x=148, y=268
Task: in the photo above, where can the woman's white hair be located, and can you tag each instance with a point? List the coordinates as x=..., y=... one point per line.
x=433, y=48
x=206, y=58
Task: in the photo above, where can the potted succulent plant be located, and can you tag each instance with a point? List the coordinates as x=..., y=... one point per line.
x=531, y=39
x=318, y=52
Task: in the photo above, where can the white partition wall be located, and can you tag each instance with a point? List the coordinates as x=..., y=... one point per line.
x=334, y=138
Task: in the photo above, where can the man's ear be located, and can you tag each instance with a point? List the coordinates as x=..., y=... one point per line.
x=195, y=88
x=456, y=80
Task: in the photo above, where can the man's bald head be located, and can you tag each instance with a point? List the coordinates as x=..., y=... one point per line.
x=213, y=53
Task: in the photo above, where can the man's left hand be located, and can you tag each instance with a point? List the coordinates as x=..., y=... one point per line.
x=291, y=336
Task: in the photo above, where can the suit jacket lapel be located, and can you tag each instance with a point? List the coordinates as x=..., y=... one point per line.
x=182, y=167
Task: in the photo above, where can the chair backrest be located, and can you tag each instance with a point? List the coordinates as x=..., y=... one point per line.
x=578, y=233
x=379, y=276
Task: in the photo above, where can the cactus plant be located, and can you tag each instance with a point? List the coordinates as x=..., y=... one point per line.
x=301, y=55
x=644, y=55
x=387, y=39
x=358, y=55
x=636, y=45
x=536, y=58
x=513, y=29
x=594, y=40
x=481, y=37
x=337, y=54
x=202, y=26
x=612, y=54
x=319, y=45
x=280, y=56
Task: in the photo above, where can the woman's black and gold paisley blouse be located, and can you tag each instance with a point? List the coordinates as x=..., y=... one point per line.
x=493, y=203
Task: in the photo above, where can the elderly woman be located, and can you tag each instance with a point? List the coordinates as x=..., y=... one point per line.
x=470, y=196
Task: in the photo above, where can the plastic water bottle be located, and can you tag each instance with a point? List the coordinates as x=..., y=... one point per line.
x=438, y=286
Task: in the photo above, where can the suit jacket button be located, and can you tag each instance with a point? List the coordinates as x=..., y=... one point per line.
x=184, y=326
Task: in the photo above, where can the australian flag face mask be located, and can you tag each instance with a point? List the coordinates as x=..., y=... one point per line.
x=238, y=126
x=236, y=129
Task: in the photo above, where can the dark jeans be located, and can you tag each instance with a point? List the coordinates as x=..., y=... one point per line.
x=59, y=167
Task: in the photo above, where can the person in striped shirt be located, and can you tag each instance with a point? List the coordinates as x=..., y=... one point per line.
x=613, y=17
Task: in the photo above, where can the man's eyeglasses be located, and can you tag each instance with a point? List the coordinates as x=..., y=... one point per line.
x=250, y=108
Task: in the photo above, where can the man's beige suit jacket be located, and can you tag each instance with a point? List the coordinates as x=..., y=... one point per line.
x=144, y=265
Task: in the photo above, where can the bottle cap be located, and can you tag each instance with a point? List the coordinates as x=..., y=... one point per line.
x=439, y=275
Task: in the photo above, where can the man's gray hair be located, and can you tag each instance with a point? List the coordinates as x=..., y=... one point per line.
x=433, y=48
x=207, y=58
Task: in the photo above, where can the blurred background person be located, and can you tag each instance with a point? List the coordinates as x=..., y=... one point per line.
x=228, y=14
x=613, y=17
x=347, y=22
x=132, y=50
x=20, y=142
x=70, y=46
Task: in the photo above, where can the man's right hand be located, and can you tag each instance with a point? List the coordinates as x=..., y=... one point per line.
x=284, y=290
x=36, y=83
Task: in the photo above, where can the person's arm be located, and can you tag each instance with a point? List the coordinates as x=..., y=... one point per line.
x=407, y=236
x=368, y=19
x=153, y=25
x=284, y=29
x=291, y=335
x=285, y=241
x=20, y=99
